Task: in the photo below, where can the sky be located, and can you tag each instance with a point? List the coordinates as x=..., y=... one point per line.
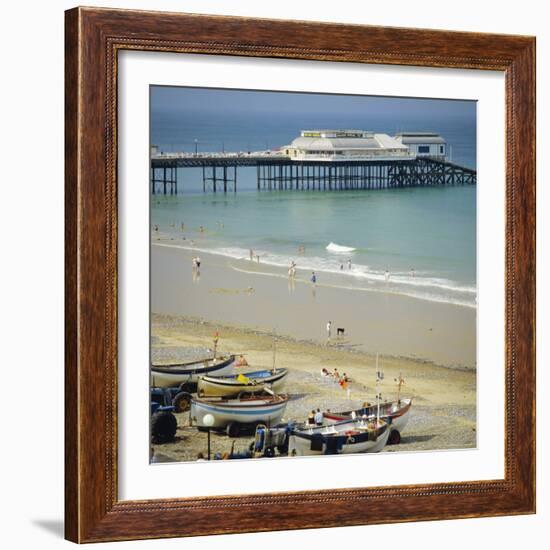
x=214, y=100
x=250, y=120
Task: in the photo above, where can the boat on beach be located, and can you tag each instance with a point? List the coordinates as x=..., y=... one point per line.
x=234, y=384
x=345, y=437
x=237, y=414
x=395, y=412
x=178, y=374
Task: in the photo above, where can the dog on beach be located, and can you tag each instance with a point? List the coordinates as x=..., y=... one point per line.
x=340, y=332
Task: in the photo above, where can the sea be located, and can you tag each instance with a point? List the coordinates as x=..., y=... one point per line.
x=419, y=242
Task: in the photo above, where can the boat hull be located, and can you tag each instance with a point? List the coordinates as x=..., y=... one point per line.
x=168, y=376
x=304, y=444
x=229, y=385
x=397, y=414
x=244, y=412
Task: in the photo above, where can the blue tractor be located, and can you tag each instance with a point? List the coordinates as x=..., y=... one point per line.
x=163, y=421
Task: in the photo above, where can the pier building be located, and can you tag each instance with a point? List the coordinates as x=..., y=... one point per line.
x=345, y=145
x=424, y=144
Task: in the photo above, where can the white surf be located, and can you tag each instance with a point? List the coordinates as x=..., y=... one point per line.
x=333, y=247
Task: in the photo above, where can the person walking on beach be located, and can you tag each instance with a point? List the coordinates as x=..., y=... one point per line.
x=412, y=272
x=329, y=331
x=313, y=278
x=318, y=418
x=311, y=418
x=387, y=276
x=349, y=264
x=251, y=253
x=292, y=270
x=198, y=262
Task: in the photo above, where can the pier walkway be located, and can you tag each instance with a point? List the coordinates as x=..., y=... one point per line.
x=275, y=171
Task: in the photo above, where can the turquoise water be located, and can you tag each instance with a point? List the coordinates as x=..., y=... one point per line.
x=424, y=237
x=429, y=230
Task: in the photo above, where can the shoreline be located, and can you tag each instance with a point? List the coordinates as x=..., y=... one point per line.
x=261, y=298
x=375, y=283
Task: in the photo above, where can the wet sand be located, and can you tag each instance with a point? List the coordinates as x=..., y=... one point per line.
x=444, y=407
x=256, y=296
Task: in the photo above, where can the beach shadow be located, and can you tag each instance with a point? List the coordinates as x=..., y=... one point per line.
x=55, y=527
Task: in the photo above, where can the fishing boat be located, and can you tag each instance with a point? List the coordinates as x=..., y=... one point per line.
x=237, y=414
x=397, y=412
x=348, y=436
x=233, y=384
x=178, y=374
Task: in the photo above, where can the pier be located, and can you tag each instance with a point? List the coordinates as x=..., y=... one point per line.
x=277, y=172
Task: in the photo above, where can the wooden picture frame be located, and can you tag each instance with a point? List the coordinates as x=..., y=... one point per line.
x=94, y=37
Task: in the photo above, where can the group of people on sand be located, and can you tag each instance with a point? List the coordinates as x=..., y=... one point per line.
x=343, y=380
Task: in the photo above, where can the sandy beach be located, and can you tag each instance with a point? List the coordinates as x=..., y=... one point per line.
x=254, y=295
x=443, y=416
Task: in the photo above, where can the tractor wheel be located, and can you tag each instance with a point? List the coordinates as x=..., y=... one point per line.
x=181, y=402
x=395, y=438
x=163, y=427
x=233, y=429
x=186, y=387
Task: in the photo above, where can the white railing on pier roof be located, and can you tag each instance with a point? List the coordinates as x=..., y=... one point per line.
x=228, y=155
x=374, y=156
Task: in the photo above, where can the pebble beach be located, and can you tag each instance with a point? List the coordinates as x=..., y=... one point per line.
x=443, y=415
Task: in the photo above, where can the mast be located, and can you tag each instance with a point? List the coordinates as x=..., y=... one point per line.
x=216, y=338
x=379, y=378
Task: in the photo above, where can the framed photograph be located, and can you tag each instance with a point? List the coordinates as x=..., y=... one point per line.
x=300, y=275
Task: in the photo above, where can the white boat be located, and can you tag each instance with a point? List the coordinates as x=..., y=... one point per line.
x=168, y=376
x=349, y=436
x=234, y=384
x=231, y=413
x=395, y=412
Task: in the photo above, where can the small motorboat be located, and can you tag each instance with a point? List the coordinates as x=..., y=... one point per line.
x=237, y=415
x=395, y=412
x=234, y=384
x=178, y=374
x=346, y=437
